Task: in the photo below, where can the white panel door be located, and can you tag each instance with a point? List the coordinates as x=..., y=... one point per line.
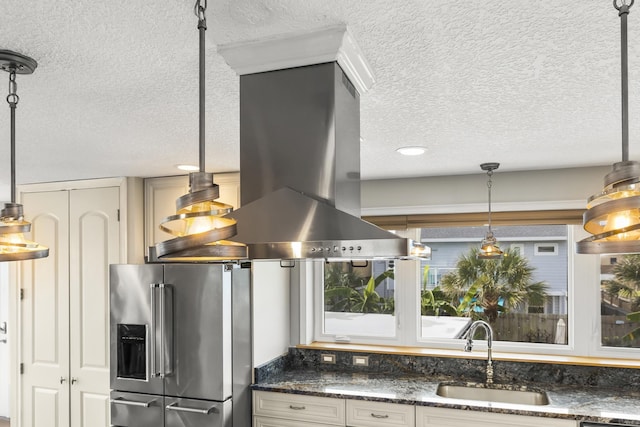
x=94, y=244
x=44, y=315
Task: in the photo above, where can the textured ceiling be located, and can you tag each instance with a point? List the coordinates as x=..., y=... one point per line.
x=531, y=84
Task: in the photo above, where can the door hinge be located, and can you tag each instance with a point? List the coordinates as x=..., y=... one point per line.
x=21, y=368
x=118, y=215
x=21, y=294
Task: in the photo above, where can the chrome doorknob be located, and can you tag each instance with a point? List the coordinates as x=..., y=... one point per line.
x=63, y=380
x=74, y=380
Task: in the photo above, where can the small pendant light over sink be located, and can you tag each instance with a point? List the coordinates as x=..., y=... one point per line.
x=613, y=215
x=13, y=246
x=489, y=248
x=198, y=225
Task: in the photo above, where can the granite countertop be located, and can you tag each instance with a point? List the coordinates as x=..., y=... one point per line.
x=596, y=404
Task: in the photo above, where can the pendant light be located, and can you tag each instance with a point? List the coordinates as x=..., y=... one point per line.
x=13, y=246
x=613, y=215
x=198, y=225
x=489, y=248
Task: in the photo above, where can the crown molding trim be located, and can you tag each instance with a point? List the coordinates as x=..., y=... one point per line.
x=299, y=49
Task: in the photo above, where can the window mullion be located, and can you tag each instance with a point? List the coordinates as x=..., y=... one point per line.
x=584, y=298
x=407, y=301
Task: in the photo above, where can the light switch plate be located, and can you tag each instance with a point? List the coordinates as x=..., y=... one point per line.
x=328, y=358
x=361, y=360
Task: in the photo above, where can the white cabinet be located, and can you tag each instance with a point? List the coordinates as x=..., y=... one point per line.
x=273, y=409
x=289, y=410
x=361, y=413
x=63, y=315
x=443, y=417
x=160, y=196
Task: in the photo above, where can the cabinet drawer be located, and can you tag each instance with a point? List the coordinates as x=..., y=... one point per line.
x=442, y=417
x=324, y=410
x=361, y=413
x=281, y=422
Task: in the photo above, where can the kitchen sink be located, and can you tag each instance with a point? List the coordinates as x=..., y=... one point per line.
x=493, y=393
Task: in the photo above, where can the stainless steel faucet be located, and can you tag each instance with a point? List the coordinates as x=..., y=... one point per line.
x=469, y=345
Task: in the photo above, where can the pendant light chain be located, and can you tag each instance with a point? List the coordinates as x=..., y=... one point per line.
x=623, y=12
x=489, y=184
x=13, y=99
x=199, y=10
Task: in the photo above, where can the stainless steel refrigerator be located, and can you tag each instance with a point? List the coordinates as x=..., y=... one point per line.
x=180, y=345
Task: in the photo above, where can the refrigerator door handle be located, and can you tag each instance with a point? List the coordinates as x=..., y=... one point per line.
x=174, y=407
x=163, y=330
x=154, y=329
x=121, y=401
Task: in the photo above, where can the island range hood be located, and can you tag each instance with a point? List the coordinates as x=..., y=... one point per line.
x=300, y=168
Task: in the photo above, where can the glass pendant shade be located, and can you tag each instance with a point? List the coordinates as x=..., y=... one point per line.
x=489, y=248
x=13, y=245
x=199, y=226
x=613, y=215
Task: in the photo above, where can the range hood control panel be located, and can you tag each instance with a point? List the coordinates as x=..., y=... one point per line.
x=336, y=249
x=363, y=249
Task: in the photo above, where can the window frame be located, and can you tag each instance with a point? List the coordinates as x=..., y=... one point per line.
x=318, y=314
x=537, y=252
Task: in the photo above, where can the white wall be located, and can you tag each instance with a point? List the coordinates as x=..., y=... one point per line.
x=543, y=189
x=5, y=192
x=270, y=284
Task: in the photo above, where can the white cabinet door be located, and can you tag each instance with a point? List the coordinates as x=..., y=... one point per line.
x=65, y=311
x=95, y=241
x=441, y=417
x=45, y=315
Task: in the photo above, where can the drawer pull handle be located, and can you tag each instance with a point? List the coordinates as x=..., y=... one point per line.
x=121, y=401
x=297, y=408
x=174, y=407
x=379, y=416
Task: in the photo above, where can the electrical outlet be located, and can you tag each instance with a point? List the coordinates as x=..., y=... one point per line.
x=328, y=358
x=361, y=360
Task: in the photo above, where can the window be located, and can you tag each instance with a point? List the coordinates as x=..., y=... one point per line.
x=620, y=301
x=546, y=249
x=518, y=295
x=358, y=299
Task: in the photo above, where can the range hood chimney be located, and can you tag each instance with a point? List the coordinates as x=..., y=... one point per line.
x=300, y=150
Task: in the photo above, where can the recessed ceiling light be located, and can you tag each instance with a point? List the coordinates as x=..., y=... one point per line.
x=188, y=168
x=411, y=151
